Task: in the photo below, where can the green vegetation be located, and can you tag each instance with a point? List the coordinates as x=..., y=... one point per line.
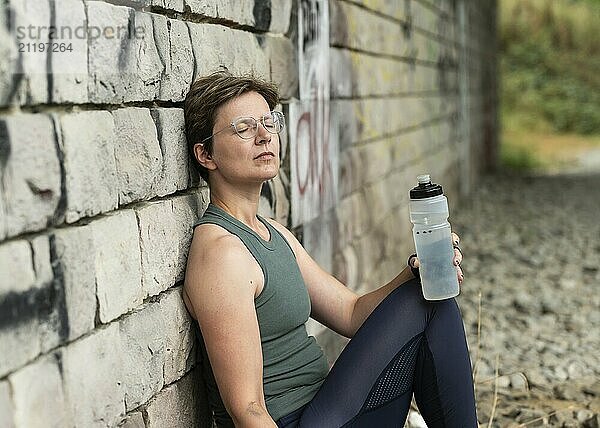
x=550, y=71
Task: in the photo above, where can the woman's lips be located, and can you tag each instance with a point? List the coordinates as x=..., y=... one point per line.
x=265, y=155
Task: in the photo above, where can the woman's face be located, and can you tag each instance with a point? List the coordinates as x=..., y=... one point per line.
x=244, y=160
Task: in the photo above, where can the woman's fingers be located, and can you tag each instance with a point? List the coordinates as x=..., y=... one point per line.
x=455, y=239
x=458, y=257
x=460, y=275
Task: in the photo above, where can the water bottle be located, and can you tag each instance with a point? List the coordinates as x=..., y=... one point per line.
x=433, y=240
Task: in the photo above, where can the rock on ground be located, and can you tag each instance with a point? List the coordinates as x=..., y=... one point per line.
x=530, y=298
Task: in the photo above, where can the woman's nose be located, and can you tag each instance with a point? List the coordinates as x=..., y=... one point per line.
x=262, y=135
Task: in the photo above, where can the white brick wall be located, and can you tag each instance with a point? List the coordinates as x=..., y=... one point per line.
x=97, y=197
x=31, y=177
x=39, y=403
x=117, y=264
x=92, y=370
x=137, y=154
x=75, y=252
x=69, y=75
x=88, y=148
x=142, y=347
x=6, y=406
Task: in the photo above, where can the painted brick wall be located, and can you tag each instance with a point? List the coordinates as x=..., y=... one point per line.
x=97, y=194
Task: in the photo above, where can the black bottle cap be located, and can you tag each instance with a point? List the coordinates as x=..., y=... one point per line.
x=425, y=189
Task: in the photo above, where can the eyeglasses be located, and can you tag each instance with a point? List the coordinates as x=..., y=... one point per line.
x=247, y=127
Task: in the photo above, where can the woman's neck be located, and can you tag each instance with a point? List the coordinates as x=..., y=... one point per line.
x=241, y=205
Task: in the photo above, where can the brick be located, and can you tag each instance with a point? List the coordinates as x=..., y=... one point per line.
x=182, y=404
x=32, y=87
x=238, y=12
x=137, y=153
x=176, y=5
x=345, y=267
x=425, y=18
x=6, y=406
x=216, y=46
x=117, y=263
x=40, y=248
x=281, y=208
x=187, y=209
x=75, y=256
x=157, y=243
x=353, y=220
x=378, y=204
x=70, y=68
x=39, y=403
x=8, y=53
x=22, y=340
x=369, y=119
x=392, y=8
x=350, y=172
x=17, y=273
x=382, y=76
x=352, y=26
x=133, y=420
x=341, y=73
x=89, y=163
x=170, y=126
x=175, y=49
x=2, y=216
x=165, y=237
x=31, y=178
x=33, y=324
x=180, y=336
x=51, y=330
x=92, y=377
x=281, y=53
x=126, y=67
x=281, y=12
x=142, y=345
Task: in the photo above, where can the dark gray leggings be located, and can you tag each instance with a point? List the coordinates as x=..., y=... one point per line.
x=407, y=345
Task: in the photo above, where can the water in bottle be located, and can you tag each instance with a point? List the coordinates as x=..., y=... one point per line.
x=433, y=240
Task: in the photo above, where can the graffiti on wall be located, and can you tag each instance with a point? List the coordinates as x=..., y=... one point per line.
x=314, y=151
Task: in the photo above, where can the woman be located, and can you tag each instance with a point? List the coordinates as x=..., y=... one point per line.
x=251, y=286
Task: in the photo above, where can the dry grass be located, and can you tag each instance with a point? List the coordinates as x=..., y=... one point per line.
x=544, y=151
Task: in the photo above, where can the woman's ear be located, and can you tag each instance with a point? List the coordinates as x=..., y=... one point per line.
x=203, y=157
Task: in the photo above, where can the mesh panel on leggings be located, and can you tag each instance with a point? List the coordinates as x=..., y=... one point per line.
x=397, y=377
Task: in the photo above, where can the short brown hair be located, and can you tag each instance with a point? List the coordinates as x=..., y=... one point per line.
x=210, y=92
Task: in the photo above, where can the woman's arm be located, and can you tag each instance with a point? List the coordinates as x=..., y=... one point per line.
x=221, y=281
x=333, y=304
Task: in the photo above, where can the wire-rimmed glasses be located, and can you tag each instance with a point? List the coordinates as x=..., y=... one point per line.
x=247, y=127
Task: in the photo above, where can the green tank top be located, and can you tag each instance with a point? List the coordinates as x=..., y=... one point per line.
x=294, y=365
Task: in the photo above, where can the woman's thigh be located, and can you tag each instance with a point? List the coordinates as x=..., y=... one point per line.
x=373, y=379
x=401, y=317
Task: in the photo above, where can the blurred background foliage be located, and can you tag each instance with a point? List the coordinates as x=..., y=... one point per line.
x=550, y=82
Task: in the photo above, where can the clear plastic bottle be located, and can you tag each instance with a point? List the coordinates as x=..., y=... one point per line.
x=433, y=240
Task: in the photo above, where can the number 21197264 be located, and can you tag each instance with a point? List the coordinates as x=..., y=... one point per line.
x=43, y=47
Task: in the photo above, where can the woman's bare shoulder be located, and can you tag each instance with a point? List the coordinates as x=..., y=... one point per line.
x=215, y=260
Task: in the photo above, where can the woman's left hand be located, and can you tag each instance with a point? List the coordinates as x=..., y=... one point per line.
x=457, y=257
x=457, y=260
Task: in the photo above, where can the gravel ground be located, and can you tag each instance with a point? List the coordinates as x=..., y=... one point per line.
x=532, y=258
x=530, y=299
